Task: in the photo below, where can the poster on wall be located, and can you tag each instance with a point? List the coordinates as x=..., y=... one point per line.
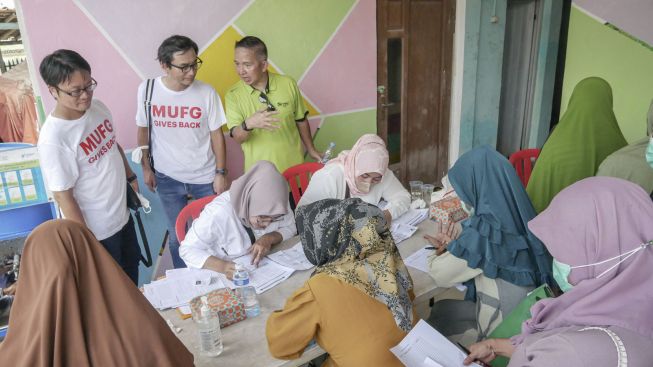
x=21, y=181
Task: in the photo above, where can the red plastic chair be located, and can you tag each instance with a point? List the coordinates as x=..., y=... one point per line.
x=189, y=213
x=523, y=162
x=303, y=173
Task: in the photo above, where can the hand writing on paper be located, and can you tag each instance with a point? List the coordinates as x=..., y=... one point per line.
x=225, y=267
x=259, y=249
x=443, y=236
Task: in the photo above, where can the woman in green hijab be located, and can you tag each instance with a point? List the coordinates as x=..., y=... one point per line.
x=587, y=133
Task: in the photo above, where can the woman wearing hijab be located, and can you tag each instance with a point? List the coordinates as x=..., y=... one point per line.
x=357, y=304
x=600, y=234
x=587, y=133
x=360, y=172
x=494, y=254
x=75, y=306
x=250, y=218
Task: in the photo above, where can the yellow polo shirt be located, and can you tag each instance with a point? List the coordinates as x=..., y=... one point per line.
x=283, y=146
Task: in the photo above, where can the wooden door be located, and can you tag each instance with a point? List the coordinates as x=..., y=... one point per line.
x=415, y=47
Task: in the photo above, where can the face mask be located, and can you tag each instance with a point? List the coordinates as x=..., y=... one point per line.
x=364, y=187
x=649, y=153
x=467, y=209
x=561, y=270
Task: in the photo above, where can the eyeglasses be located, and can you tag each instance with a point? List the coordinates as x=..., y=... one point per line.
x=265, y=218
x=263, y=98
x=78, y=92
x=186, y=68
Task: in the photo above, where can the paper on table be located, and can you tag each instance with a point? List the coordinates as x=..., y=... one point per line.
x=413, y=217
x=425, y=346
x=181, y=287
x=401, y=232
x=293, y=257
x=265, y=276
x=419, y=261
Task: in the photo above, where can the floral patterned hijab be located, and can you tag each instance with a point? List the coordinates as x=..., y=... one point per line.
x=350, y=240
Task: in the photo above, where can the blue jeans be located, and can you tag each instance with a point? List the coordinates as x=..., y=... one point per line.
x=123, y=247
x=174, y=197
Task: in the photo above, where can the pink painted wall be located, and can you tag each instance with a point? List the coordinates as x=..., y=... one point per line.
x=632, y=16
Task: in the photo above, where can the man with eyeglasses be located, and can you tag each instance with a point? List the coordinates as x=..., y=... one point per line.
x=265, y=111
x=188, y=145
x=84, y=166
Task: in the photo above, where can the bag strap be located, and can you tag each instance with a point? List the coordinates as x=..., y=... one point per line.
x=250, y=233
x=147, y=261
x=147, y=103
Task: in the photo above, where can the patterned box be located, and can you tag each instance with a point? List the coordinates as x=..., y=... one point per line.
x=223, y=301
x=447, y=210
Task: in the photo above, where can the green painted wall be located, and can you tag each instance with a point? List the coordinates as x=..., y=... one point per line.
x=345, y=129
x=595, y=49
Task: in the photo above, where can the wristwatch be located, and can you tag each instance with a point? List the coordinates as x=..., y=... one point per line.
x=132, y=178
x=244, y=126
x=221, y=171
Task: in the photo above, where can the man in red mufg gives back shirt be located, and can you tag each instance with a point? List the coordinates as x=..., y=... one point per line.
x=188, y=146
x=83, y=164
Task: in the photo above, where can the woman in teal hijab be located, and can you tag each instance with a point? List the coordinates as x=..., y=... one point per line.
x=496, y=255
x=587, y=133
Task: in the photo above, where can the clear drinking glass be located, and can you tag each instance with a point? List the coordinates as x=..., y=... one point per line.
x=415, y=190
x=427, y=191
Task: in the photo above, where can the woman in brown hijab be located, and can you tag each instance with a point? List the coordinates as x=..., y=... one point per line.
x=75, y=306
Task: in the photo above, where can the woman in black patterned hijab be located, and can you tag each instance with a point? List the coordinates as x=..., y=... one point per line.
x=359, y=294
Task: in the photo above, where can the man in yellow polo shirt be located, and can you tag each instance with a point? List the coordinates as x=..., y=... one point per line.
x=265, y=111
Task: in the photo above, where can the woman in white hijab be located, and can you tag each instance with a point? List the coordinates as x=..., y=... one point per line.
x=249, y=219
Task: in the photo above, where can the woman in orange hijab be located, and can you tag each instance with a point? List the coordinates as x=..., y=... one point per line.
x=75, y=306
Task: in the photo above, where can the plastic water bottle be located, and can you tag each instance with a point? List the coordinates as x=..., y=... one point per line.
x=327, y=153
x=246, y=292
x=208, y=325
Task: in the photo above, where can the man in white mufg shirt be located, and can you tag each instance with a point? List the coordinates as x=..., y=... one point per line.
x=83, y=164
x=188, y=146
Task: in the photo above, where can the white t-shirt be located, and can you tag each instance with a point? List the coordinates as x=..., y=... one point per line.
x=83, y=155
x=329, y=183
x=219, y=232
x=182, y=122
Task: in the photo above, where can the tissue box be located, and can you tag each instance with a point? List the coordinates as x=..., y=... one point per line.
x=447, y=210
x=225, y=303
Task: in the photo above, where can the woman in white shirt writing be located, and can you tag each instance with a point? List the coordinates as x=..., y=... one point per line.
x=361, y=172
x=250, y=218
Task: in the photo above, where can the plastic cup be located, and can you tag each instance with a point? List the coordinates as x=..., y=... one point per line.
x=415, y=190
x=427, y=191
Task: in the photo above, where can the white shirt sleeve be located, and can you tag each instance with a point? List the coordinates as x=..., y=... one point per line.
x=327, y=183
x=395, y=194
x=59, y=166
x=141, y=119
x=448, y=270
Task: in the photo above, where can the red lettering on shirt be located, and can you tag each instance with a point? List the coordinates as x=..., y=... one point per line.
x=181, y=112
x=95, y=139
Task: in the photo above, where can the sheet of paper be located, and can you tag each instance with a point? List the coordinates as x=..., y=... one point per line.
x=418, y=259
x=293, y=257
x=401, y=232
x=267, y=275
x=425, y=346
x=181, y=287
x=413, y=217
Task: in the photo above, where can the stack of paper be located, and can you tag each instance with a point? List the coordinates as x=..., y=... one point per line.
x=426, y=347
x=266, y=275
x=293, y=257
x=419, y=261
x=405, y=226
x=182, y=285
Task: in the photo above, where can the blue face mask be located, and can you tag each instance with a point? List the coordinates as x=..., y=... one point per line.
x=561, y=270
x=649, y=152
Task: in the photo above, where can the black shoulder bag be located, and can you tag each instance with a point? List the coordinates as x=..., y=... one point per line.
x=134, y=203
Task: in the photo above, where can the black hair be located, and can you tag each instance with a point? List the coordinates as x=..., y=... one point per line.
x=57, y=67
x=174, y=44
x=254, y=43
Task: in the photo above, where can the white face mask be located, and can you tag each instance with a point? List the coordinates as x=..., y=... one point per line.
x=364, y=187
